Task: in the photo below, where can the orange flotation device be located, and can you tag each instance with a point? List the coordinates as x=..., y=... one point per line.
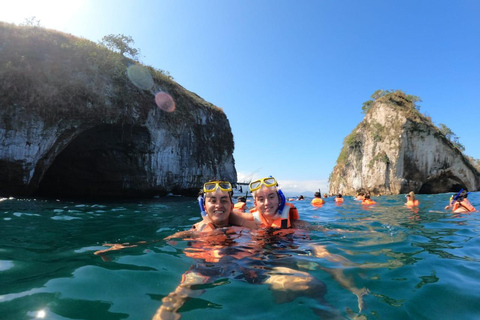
x=318, y=201
x=240, y=206
x=463, y=206
x=280, y=223
x=368, y=201
x=339, y=200
x=412, y=203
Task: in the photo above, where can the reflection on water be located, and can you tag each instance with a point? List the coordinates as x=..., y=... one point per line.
x=399, y=262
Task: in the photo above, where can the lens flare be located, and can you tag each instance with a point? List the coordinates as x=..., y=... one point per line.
x=41, y=314
x=165, y=102
x=140, y=77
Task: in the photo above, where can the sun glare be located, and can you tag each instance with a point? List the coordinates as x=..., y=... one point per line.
x=54, y=14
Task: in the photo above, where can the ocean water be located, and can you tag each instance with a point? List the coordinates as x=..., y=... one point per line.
x=407, y=264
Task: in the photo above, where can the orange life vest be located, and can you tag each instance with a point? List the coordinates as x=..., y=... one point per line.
x=412, y=203
x=203, y=226
x=463, y=206
x=240, y=206
x=279, y=223
x=318, y=201
x=339, y=200
x=210, y=246
x=368, y=201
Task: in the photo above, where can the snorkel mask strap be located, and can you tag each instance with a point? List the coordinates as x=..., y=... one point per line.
x=201, y=203
x=281, y=206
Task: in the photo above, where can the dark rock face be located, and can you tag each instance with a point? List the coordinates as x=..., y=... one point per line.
x=71, y=126
x=396, y=150
x=103, y=161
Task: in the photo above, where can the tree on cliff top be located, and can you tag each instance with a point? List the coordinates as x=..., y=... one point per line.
x=120, y=43
x=31, y=22
x=383, y=93
x=450, y=135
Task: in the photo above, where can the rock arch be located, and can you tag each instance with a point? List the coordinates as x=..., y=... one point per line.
x=104, y=161
x=442, y=184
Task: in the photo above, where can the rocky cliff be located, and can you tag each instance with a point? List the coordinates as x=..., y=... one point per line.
x=395, y=150
x=73, y=124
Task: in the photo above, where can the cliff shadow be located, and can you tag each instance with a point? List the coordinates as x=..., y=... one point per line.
x=105, y=161
x=442, y=184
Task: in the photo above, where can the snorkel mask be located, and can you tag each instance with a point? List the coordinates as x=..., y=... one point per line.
x=269, y=182
x=281, y=206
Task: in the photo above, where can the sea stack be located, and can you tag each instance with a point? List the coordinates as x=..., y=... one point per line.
x=396, y=149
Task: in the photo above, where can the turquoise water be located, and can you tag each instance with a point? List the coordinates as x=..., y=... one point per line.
x=414, y=265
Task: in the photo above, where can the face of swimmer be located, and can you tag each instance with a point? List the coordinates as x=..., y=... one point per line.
x=218, y=207
x=267, y=201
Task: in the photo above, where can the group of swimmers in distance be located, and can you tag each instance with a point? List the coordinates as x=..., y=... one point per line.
x=459, y=204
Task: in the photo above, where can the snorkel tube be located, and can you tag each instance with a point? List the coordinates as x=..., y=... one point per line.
x=281, y=206
x=457, y=196
x=201, y=203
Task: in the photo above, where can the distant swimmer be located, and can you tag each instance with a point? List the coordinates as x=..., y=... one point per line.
x=360, y=196
x=366, y=200
x=317, y=201
x=301, y=197
x=460, y=203
x=241, y=204
x=411, y=201
x=339, y=198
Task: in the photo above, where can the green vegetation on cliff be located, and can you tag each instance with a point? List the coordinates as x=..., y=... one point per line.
x=57, y=75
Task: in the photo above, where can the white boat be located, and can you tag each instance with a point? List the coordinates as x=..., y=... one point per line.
x=240, y=189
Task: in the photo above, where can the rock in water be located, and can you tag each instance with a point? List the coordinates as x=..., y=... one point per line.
x=395, y=149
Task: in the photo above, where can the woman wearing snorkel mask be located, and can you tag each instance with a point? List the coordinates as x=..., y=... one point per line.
x=460, y=203
x=411, y=201
x=270, y=211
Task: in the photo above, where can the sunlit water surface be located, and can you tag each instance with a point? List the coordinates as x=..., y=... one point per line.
x=413, y=265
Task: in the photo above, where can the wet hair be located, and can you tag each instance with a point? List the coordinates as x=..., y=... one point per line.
x=339, y=195
x=241, y=199
x=367, y=196
x=462, y=195
x=317, y=194
x=411, y=194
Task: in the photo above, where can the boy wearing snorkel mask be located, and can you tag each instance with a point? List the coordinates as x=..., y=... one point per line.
x=216, y=204
x=215, y=201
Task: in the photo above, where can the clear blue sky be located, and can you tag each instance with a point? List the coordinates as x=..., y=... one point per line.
x=292, y=75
